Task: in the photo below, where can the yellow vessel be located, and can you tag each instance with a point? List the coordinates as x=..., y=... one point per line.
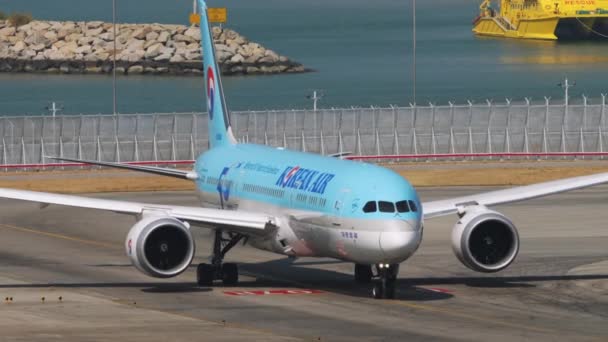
x=544, y=19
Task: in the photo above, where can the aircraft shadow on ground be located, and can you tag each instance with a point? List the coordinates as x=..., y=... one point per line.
x=412, y=289
x=152, y=287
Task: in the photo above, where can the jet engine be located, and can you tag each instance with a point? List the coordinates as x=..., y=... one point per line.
x=160, y=246
x=485, y=240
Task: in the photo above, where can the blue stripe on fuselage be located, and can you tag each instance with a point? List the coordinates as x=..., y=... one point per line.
x=302, y=181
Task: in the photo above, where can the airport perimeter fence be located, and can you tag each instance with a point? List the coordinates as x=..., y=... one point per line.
x=423, y=132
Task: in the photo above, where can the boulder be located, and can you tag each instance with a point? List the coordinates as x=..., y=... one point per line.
x=28, y=53
x=222, y=56
x=151, y=36
x=18, y=47
x=85, y=40
x=62, y=33
x=252, y=70
x=7, y=31
x=135, y=45
x=94, y=24
x=193, y=32
x=85, y=49
x=120, y=70
x=136, y=69
x=38, y=47
x=154, y=51
x=163, y=58
x=237, y=59
x=94, y=32
x=183, y=38
x=51, y=36
x=69, y=48
x=107, y=36
x=163, y=37
x=40, y=25
x=176, y=59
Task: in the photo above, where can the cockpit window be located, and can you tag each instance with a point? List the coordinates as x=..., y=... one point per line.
x=402, y=207
x=386, y=207
x=412, y=205
x=370, y=207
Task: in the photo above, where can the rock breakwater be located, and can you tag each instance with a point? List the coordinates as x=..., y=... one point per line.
x=88, y=47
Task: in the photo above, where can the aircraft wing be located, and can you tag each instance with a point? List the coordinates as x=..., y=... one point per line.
x=247, y=223
x=516, y=194
x=141, y=168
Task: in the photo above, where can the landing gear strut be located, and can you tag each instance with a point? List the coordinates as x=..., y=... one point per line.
x=384, y=288
x=226, y=272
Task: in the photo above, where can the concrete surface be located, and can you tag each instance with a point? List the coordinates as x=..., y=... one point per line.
x=555, y=291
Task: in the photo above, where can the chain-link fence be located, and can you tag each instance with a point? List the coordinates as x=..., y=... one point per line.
x=487, y=128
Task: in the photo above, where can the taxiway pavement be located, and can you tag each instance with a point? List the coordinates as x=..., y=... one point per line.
x=557, y=289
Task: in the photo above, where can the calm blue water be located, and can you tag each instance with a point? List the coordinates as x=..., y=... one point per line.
x=360, y=49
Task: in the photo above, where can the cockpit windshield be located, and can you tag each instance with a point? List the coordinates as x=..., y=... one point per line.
x=404, y=206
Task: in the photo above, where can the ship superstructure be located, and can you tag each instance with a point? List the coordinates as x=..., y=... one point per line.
x=543, y=19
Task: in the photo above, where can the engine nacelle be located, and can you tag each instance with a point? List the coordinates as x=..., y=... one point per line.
x=160, y=246
x=485, y=240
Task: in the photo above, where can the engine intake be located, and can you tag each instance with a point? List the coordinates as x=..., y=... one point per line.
x=485, y=240
x=159, y=246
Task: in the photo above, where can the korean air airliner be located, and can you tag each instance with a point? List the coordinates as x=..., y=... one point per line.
x=301, y=204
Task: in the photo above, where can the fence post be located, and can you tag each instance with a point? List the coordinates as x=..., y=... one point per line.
x=600, y=142
x=545, y=147
x=192, y=148
x=602, y=115
x=508, y=111
x=395, y=142
x=154, y=148
x=563, y=141
x=470, y=112
x=451, y=113
x=433, y=143
x=173, y=149
x=584, y=111
x=547, y=99
x=322, y=143
x=489, y=140
x=61, y=150
x=359, y=151
x=23, y=158
x=377, y=143
x=452, y=147
x=470, y=142
x=490, y=112
x=303, y=149
x=526, y=142
x=42, y=153
x=4, y=155
x=527, y=111
x=415, y=142
x=507, y=141
x=413, y=109
x=265, y=138
x=432, y=114
x=117, y=146
x=136, y=148
x=582, y=142
x=340, y=142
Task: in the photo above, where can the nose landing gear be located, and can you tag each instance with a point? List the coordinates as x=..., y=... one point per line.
x=226, y=272
x=384, y=288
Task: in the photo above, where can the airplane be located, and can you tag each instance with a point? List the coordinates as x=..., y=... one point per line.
x=302, y=205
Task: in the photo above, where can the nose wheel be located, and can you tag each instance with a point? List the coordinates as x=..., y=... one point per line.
x=384, y=287
x=228, y=273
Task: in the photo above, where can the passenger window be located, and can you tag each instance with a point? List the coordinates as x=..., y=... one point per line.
x=386, y=207
x=369, y=207
x=412, y=205
x=402, y=207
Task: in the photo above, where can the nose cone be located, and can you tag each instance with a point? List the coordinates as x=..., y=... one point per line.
x=398, y=245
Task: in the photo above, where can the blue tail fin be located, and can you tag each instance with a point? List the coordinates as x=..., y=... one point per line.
x=220, y=132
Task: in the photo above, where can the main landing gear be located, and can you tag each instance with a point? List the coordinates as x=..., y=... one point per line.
x=228, y=273
x=384, y=287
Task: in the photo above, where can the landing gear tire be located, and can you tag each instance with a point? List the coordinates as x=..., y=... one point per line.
x=377, y=291
x=363, y=274
x=205, y=274
x=230, y=274
x=384, y=288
